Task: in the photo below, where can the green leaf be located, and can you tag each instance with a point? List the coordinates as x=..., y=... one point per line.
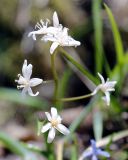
x=74, y=151
x=98, y=125
x=117, y=37
x=114, y=75
x=15, y=96
x=16, y=147
x=97, y=22
x=39, y=126
x=79, y=66
x=119, y=73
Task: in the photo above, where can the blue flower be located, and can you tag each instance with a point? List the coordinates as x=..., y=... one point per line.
x=94, y=152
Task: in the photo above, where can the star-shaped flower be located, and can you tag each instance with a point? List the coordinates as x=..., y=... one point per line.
x=53, y=124
x=105, y=87
x=94, y=152
x=56, y=34
x=25, y=82
x=61, y=38
x=44, y=29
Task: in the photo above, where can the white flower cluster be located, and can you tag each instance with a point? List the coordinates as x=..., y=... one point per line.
x=56, y=34
x=59, y=36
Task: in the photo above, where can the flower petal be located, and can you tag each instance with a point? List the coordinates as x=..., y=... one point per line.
x=46, y=127
x=103, y=153
x=24, y=91
x=48, y=37
x=72, y=42
x=55, y=20
x=53, y=47
x=54, y=113
x=21, y=80
x=61, y=128
x=59, y=119
x=65, y=31
x=48, y=116
x=31, y=93
x=93, y=144
x=106, y=98
x=24, y=67
x=35, y=81
x=86, y=154
x=102, y=78
x=94, y=157
x=27, y=70
x=33, y=35
x=96, y=90
x=51, y=135
x=110, y=85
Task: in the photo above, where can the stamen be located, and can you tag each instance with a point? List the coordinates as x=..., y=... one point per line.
x=38, y=26
x=54, y=123
x=47, y=22
x=42, y=22
x=21, y=86
x=18, y=87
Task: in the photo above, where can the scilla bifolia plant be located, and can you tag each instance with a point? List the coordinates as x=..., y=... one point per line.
x=58, y=35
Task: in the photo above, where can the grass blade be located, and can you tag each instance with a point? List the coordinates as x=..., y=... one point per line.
x=14, y=96
x=98, y=125
x=16, y=147
x=117, y=37
x=97, y=22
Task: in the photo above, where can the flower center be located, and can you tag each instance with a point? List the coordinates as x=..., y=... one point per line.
x=54, y=122
x=103, y=88
x=26, y=82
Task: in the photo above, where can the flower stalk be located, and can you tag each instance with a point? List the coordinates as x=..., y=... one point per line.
x=55, y=77
x=49, y=149
x=75, y=98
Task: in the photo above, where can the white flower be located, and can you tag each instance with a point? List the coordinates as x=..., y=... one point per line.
x=25, y=82
x=53, y=124
x=43, y=27
x=105, y=87
x=61, y=38
x=56, y=34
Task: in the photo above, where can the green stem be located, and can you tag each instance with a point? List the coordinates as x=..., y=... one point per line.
x=16, y=146
x=78, y=66
x=49, y=148
x=75, y=98
x=55, y=77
